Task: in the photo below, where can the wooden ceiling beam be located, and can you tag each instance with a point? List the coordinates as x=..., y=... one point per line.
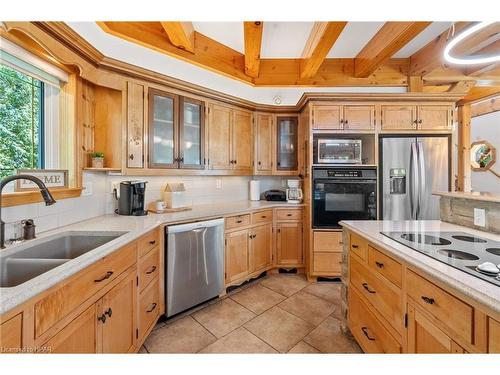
x=480, y=93
x=180, y=34
x=489, y=50
x=321, y=40
x=389, y=39
x=484, y=107
x=253, y=42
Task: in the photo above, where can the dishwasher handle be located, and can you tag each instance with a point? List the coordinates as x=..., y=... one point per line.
x=193, y=226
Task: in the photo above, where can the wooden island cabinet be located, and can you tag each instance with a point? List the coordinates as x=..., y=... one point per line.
x=394, y=307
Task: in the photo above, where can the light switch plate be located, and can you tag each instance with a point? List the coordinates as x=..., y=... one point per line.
x=479, y=217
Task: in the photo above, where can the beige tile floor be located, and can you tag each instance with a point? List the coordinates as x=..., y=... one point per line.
x=281, y=313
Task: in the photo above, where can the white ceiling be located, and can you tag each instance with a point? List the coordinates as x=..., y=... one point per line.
x=353, y=38
x=284, y=39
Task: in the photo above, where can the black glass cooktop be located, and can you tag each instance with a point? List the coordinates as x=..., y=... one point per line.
x=457, y=249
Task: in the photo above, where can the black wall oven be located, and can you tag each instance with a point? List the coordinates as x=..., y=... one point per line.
x=343, y=194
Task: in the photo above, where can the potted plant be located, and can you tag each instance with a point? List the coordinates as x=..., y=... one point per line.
x=97, y=159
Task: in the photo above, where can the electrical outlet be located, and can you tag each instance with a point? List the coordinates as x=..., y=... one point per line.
x=283, y=182
x=87, y=188
x=480, y=217
x=112, y=186
x=218, y=183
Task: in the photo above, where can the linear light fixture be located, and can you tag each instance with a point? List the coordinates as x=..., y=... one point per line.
x=474, y=60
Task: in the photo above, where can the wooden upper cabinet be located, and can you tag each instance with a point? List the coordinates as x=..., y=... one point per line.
x=436, y=117
x=242, y=141
x=79, y=336
x=191, y=133
x=264, y=143
x=359, y=117
x=237, y=250
x=117, y=317
x=219, y=137
x=289, y=248
x=135, y=125
x=260, y=247
x=399, y=117
x=287, y=133
x=327, y=117
x=425, y=337
x=11, y=333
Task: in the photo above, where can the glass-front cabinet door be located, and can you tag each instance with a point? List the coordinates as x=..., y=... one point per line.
x=287, y=144
x=192, y=132
x=162, y=129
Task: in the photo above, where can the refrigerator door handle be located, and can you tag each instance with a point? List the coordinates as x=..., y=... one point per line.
x=414, y=171
x=421, y=171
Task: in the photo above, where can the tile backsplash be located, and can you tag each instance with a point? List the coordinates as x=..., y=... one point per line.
x=100, y=201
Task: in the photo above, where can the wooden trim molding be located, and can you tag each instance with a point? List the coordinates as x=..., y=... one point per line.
x=27, y=197
x=485, y=106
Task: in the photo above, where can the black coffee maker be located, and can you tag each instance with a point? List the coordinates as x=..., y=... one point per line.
x=131, y=198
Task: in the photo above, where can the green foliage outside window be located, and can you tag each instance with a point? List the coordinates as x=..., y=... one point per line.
x=21, y=121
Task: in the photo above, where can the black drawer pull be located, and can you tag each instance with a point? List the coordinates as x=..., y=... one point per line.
x=379, y=265
x=428, y=300
x=365, y=285
x=102, y=318
x=365, y=331
x=288, y=214
x=153, y=306
x=152, y=242
x=107, y=276
x=263, y=216
x=153, y=269
x=354, y=246
x=239, y=221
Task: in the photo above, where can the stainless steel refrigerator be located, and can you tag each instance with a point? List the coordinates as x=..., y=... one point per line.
x=411, y=168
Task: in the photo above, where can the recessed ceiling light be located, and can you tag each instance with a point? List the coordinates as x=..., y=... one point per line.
x=473, y=60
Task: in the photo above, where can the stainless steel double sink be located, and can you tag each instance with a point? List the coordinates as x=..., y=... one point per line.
x=32, y=259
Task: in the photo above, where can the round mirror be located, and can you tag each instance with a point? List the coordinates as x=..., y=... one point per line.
x=482, y=156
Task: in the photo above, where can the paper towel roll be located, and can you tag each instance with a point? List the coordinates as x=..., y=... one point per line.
x=254, y=190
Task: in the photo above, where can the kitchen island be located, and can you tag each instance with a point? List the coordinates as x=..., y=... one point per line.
x=397, y=299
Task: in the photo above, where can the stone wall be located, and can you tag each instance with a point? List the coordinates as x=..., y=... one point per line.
x=460, y=211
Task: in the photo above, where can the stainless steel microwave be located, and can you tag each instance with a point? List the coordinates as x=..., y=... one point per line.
x=338, y=151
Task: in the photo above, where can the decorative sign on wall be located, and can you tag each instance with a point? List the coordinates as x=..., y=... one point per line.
x=52, y=178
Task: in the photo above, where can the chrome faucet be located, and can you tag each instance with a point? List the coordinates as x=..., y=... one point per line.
x=47, y=197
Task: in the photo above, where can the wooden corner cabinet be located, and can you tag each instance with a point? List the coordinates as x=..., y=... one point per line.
x=287, y=144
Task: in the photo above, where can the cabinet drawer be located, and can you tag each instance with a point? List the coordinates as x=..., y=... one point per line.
x=381, y=294
x=88, y=282
x=262, y=217
x=370, y=333
x=493, y=336
x=330, y=263
x=148, y=241
x=288, y=215
x=149, y=267
x=359, y=246
x=449, y=310
x=11, y=333
x=237, y=221
x=327, y=242
x=149, y=307
x=385, y=265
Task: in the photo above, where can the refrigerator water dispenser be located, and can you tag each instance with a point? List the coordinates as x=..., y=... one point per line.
x=397, y=180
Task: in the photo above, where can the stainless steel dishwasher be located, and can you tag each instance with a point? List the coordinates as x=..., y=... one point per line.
x=194, y=264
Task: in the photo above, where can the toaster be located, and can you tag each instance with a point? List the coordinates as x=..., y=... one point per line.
x=275, y=195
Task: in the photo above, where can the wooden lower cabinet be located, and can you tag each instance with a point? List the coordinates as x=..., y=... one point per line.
x=11, y=334
x=261, y=247
x=493, y=336
x=289, y=244
x=237, y=249
x=149, y=308
x=425, y=337
x=79, y=336
x=117, y=329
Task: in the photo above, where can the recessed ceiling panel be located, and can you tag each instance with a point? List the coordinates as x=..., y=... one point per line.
x=284, y=39
x=227, y=33
x=422, y=39
x=353, y=38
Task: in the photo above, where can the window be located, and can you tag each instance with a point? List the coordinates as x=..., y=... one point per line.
x=21, y=121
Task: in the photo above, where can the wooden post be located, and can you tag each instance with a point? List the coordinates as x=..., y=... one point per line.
x=464, y=116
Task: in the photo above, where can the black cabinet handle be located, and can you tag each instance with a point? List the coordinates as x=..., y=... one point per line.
x=108, y=312
x=365, y=331
x=428, y=300
x=152, y=242
x=259, y=163
x=263, y=216
x=131, y=156
x=153, y=306
x=341, y=120
x=365, y=285
x=107, y=276
x=239, y=221
x=420, y=121
x=102, y=318
x=379, y=265
x=288, y=214
x=346, y=122
x=153, y=269
x=354, y=246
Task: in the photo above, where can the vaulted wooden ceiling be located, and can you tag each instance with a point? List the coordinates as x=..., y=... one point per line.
x=374, y=64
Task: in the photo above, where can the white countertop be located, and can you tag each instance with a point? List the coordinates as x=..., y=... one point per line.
x=472, y=195
x=135, y=226
x=485, y=293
